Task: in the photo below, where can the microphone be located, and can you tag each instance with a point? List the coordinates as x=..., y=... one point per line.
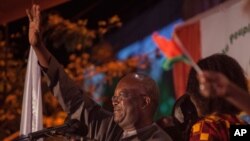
x=72, y=127
x=76, y=128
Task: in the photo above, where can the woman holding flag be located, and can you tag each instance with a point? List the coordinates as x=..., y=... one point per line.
x=216, y=114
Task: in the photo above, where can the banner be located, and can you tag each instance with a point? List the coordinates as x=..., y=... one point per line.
x=223, y=29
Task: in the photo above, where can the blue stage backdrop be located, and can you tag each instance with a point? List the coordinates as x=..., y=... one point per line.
x=162, y=77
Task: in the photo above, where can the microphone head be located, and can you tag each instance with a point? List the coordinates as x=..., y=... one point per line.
x=75, y=128
x=71, y=122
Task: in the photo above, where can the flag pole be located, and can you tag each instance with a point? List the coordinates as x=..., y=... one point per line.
x=192, y=63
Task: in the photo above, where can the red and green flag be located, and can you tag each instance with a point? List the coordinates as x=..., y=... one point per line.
x=170, y=49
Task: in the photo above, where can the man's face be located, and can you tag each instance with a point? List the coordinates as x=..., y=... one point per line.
x=126, y=102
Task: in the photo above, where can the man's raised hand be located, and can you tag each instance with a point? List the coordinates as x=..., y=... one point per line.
x=34, y=26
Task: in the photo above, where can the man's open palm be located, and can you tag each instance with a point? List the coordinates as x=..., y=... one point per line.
x=34, y=25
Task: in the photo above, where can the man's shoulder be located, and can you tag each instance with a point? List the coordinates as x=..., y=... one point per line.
x=159, y=134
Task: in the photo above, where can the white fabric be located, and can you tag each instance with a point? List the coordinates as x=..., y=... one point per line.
x=31, y=118
x=227, y=29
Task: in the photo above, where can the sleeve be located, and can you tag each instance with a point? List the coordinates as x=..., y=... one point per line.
x=72, y=98
x=202, y=131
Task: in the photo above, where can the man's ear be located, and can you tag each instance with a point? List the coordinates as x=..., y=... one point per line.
x=146, y=101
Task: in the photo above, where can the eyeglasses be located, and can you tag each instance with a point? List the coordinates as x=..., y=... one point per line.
x=123, y=96
x=120, y=97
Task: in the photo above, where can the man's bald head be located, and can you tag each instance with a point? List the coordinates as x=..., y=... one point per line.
x=145, y=84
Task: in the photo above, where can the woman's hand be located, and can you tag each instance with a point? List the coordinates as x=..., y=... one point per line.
x=213, y=84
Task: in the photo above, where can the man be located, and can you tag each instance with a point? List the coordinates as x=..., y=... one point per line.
x=135, y=99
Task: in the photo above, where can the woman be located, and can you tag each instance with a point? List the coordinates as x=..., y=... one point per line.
x=215, y=113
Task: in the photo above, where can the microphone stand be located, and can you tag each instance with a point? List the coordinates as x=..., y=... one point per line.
x=48, y=132
x=71, y=127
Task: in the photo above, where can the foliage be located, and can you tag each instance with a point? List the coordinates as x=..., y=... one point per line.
x=88, y=55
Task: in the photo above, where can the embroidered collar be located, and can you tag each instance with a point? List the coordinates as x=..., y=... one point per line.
x=126, y=134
